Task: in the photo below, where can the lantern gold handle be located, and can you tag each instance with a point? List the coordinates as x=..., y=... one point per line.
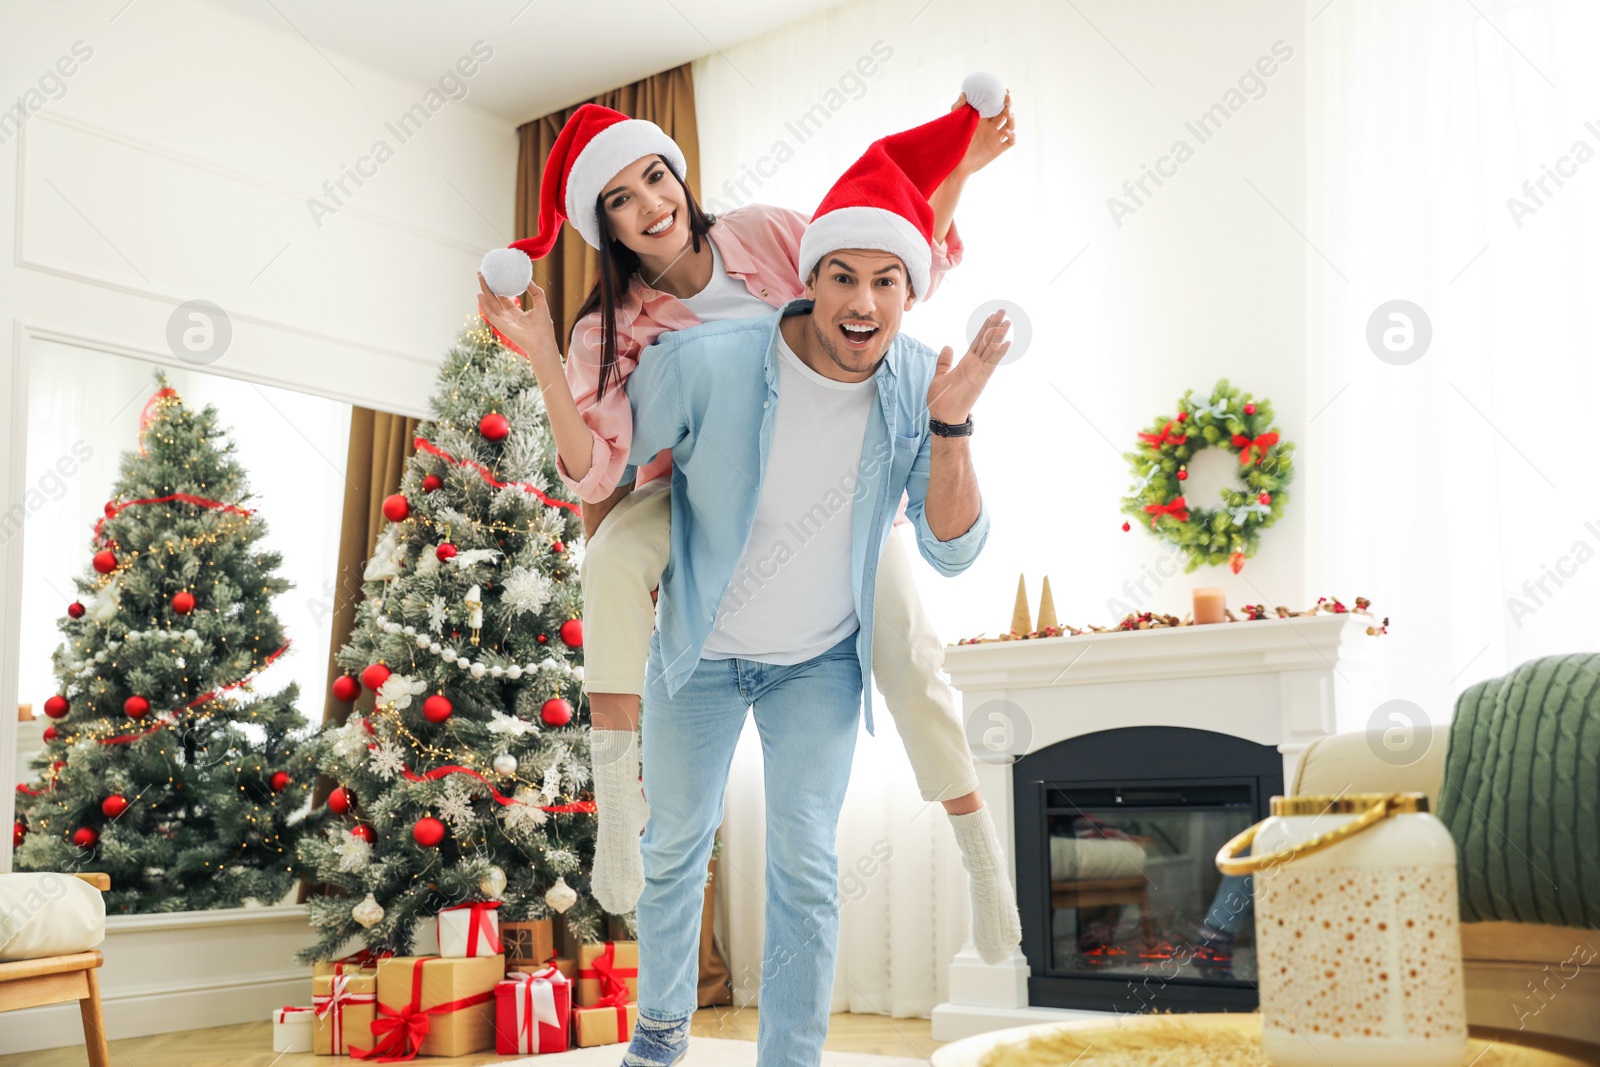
x=1229, y=862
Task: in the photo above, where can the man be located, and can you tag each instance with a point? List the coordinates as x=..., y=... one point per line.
x=793, y=436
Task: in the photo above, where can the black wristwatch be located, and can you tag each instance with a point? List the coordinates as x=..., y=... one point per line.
x=951, y=429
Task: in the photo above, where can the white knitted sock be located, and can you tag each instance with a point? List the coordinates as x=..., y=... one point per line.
x=996, y=926
x=618, y=876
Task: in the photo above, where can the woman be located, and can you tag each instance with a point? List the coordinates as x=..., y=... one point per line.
x=666, y=265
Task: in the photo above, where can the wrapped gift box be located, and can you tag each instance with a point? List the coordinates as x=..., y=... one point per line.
x=364, y=960
x=468, y=930
x=565, y=966
x=603, y=967
x=291, y=1029
x=528, y=944
x=433, y=1006
x=604, y=1026
x=532, y=1012
x=345, y=1006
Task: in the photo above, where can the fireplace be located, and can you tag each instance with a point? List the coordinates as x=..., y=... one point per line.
x=1176, y=736
x=1122, y=905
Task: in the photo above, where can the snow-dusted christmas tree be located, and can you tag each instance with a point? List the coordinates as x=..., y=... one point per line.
x=161, y=767
x=469, y=774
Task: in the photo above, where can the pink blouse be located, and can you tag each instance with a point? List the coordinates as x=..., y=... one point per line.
x=760, y=245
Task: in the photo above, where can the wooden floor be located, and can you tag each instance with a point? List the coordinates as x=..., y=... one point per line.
x=250, y=1044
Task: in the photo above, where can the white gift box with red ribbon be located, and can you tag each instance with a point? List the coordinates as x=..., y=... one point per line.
x=533, y=1012
x=468, y=930
x=292, y=1028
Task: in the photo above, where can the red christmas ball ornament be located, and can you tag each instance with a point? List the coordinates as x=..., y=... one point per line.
x=494, y=426
x=374, y=676
x=346, y=688
x=556, y=712
x=339, y=801
x=1183, y=474
x=558, y=546
x=543, y=639
x=428, y=832
x=363, y=831
x=572, y=633
x=50, y=733
x=445, y=552
x=431, y=482
x=18, y=832
x=183, y=602
x=85, y=837
x=396, y=507
x=56, y=706
x=437, y=708
x=1265, y=498
x=1249, y=409
x=280, y=781
x=135, y=707
x=1126, y=527
x=105, y=561
x=114, y=805
x=75, y=610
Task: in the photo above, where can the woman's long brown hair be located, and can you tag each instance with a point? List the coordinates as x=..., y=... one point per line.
x=618, y=265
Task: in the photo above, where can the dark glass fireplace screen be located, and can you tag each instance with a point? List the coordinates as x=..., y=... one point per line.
x=1134, y=885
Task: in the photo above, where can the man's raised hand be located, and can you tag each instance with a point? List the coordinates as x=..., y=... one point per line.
x=956, y=387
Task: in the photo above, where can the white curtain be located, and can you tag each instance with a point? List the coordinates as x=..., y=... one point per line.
x=1454, y=487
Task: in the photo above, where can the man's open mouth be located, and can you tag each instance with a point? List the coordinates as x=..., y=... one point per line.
x=662, y=226
x=858, y=334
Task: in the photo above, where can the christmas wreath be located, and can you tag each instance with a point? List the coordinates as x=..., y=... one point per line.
x=1228, y=419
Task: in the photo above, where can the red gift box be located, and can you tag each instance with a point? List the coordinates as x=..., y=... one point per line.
x=532, y=1012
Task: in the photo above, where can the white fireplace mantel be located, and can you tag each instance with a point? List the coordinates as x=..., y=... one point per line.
x=1279, y=682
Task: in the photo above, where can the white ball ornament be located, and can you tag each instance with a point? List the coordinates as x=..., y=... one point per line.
x=985, y=92
x=577, y=672
x=561, y=896
x=193, y=635
x=368, y=913
x=507, y=271
x=514, y=671
x=478, y=670
x=423, y=641
x=497, y=671
x=505, y=763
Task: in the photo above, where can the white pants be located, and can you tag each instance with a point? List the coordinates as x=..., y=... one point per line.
x=624, y=561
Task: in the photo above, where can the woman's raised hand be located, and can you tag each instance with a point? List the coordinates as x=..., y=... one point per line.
x=529, y=331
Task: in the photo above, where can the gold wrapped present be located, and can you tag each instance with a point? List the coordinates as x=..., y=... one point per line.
x=605, y=1026
x=345, y=1005
x=434, y=1006
x=604, y=968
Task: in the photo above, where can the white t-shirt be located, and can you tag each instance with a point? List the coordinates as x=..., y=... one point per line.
x=725, y=297
x=791, y=596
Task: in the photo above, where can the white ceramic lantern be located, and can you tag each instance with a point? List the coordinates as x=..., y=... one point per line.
x=1358, y=938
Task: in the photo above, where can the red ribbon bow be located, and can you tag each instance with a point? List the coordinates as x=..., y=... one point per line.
x=1260, y=445
x=614, y=991
x=1158, y=441
x=1177, y=508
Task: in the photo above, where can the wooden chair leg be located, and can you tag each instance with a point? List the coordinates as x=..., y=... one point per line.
x=94, y=1023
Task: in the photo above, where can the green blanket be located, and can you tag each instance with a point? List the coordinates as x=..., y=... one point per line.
x=1521, y=793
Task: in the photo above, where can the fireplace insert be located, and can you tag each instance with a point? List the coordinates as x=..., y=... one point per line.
x=1122, y=906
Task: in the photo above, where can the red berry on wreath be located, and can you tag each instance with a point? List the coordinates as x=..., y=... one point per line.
x=558, y=546
x=556, y=712
x=396, y=507
x=339, y=801
x=56, y=706
x=431, y=482
x=1249, y=409
x=280, y=781
x=346, y=688
x=85, y=837
x=50, y=733
x=365, y=832
x=1265, y=498
x=445, y=552
x=135, y=707
x=494, y=426
x=18, y=832
x=374, y=676
x=114, y=805
x=105, y=561
x=1183, y=416
x=1183, y=474
x=437, y=708
x=1126, y=527
x=75, y=610
x=428, y=832
x=572, y=633
x=183, y=602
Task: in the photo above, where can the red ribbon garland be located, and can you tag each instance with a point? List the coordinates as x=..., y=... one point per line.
x=113, y=510
x=172, y=716
x=424, y=445
x=1260, y=444
x=401, y=1031
x=500, y=798
x=1177, y=508
x=1164, y=438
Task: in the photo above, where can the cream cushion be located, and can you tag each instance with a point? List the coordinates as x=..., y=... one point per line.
x=48, y=915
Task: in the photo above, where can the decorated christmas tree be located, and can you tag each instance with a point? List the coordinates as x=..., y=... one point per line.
x=465, y=780
x=162, y=767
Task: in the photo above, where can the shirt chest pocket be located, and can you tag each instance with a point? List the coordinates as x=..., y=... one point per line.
x=905, y=454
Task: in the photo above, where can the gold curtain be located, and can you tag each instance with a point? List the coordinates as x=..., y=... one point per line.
x=569, y=272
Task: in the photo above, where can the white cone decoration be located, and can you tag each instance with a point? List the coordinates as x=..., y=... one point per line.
x=368, y=913
x=561, y=896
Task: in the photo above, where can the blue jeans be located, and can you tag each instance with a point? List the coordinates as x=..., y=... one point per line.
x=806, y=714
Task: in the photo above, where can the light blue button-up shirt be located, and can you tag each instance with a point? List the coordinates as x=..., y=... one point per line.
x=709, y=394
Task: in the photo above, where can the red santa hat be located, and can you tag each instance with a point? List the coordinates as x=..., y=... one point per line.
x=881, y=202
x=592, y=147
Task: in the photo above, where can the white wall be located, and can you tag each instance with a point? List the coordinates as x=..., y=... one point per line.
x=174, y=164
